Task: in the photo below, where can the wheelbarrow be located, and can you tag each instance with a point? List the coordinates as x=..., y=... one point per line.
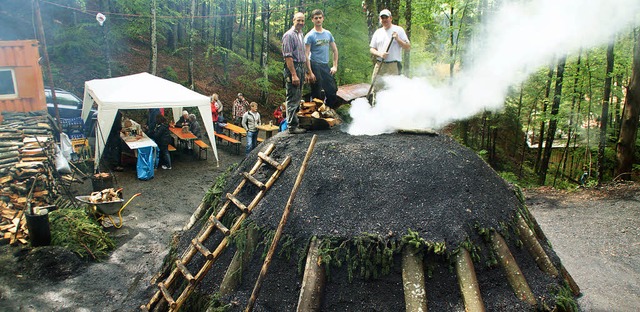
x=106, y=209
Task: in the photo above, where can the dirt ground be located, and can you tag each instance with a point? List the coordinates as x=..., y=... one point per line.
x=595, y=233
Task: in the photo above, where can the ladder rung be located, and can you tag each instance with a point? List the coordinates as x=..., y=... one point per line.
x=237, y=202
x=185, y=271
x=270, y=161
x=253, y=180
x=219, y=225
x=203, y=250
x=167, y=295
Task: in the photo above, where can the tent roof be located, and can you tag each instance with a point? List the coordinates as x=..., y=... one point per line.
x=142, y=90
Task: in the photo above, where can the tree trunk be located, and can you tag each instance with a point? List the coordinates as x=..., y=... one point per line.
x=543, y=117
x=604, y=116
x=190, y=80
x=264, y=93
x=406, y=58
x=574, y=98
x=154, y=40
x=254, y=15
x=629, y=124
x=553, y=122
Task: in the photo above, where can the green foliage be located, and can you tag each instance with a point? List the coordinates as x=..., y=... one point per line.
x=367, y=255
x=508, y=176
x=72, y=229
x=170, y=74
x=565, y=301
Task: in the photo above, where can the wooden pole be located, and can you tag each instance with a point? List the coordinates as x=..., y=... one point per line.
x=415, y=292
x=313, y=280
x=514, y=275
x=468, y=282
x=283, y=221
x=47, y=67
x=535, y=249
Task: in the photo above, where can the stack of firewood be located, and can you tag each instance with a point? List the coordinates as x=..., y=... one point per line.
x=26, y=169
x=317, y=109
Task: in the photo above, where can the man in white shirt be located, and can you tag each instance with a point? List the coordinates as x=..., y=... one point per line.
x=391, y=59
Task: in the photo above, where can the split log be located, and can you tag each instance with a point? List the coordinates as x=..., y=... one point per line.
x=9, y=160
x=10, y=143
x=415, y=292
x=242, y=257
x=535, y=249
x=11, y=154
x=313, y=280
x=8, y=149
x=468, y=282
x=514, y=275
x=195, y=216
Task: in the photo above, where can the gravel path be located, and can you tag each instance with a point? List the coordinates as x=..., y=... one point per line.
x=596, y=233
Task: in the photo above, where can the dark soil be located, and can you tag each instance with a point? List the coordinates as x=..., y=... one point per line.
x=594, y=232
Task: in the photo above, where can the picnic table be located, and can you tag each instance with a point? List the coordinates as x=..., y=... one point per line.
x=135, y=142
x=237, y=131
x=184, y=138
x=268, y=130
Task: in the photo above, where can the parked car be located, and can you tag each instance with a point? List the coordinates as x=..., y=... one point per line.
x=69, y=106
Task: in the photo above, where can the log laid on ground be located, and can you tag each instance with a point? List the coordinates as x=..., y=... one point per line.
x=535, y=249
x=8, y=149
x=468, y=282
x=242, y=257
x=514, y=275
x=415, y=292
x=313, y=280
x=10, y=160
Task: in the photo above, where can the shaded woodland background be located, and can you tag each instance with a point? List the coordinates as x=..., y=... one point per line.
x=583, y=105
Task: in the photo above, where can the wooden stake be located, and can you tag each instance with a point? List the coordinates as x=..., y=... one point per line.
x=468, y=282
x=233, y=276
x=283, y=221
x=415, y=292
x=535, y=249
x=514, y=275
x=313, y=281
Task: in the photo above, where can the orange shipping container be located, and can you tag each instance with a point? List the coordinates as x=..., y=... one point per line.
x=21, y=84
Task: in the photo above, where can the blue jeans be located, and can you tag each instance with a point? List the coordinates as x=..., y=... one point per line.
x=252, y=141
x=165, y=158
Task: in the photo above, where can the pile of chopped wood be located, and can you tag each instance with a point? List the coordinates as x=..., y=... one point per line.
x=315, y=115
x=27, y=170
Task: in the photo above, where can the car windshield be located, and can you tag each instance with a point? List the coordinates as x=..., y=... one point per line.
x=64, y=98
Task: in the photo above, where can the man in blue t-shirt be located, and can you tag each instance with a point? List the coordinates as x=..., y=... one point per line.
x=317, y=43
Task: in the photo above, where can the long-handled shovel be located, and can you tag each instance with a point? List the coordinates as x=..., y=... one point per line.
x=374, y=76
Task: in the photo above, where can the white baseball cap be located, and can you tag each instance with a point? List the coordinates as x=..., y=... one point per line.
x=385, y=12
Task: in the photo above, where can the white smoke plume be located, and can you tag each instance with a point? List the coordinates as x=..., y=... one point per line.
x=520, y=38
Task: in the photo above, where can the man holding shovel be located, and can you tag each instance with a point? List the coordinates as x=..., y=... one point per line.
x=386, y=45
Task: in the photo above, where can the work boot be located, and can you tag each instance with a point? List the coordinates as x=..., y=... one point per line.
x=297, y=130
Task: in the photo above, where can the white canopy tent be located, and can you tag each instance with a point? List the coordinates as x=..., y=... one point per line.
x=140, y=91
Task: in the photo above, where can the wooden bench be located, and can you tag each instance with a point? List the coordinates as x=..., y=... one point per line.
x=230, y=140
x=203, y=147
x=260, y=140
x=171, y=148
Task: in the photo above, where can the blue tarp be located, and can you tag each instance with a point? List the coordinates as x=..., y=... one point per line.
x=146, y=162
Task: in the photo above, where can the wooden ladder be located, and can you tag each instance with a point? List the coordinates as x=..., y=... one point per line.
x=197, y=244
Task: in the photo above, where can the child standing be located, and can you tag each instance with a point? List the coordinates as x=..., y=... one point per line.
x=250, y=122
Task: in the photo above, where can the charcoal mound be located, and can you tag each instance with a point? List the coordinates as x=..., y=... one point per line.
x=384, y=185
x=389, y=187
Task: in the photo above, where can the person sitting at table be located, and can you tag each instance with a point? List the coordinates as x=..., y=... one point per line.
x=250, y=122
x=184, y=120
x=162, y=136
x=194, y=126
